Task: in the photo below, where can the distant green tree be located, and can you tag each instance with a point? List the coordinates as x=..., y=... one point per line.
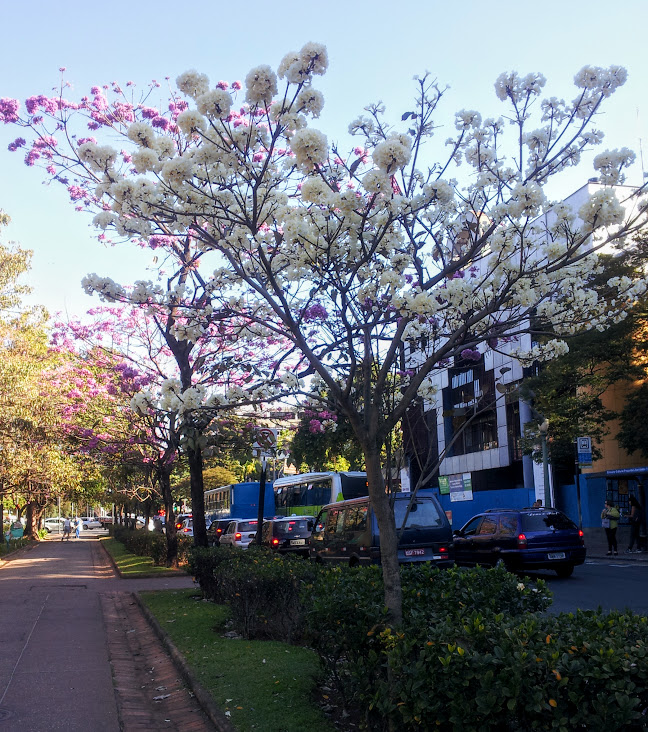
x=568, y=390
x=325, y=441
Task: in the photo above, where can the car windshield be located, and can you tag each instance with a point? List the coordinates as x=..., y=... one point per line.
x=544, y=521
x=290, y=527
x=247, y=525
x=423, y=515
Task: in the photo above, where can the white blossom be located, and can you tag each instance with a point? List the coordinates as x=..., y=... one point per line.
x=310, y=147
x=261, y=85
x=192, y=83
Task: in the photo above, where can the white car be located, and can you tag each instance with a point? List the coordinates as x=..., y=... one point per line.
x=53, y=525
x=187, y=528
x=239, y=533
x=90, y=522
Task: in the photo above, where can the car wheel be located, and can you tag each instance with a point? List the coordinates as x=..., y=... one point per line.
x=565, y=572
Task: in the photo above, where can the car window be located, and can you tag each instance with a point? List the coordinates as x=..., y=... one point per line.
x=508, y=525
x=356, y=518
x=336, y=521
x=320, y=523
x=488, y=526
x=290, y=527
x=247, y=525
x=471, y=527
x=545, y=521
x=423, y=514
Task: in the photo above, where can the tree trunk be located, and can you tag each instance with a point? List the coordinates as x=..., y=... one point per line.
x=388, y=538
x=164, y=477
x=194, y=457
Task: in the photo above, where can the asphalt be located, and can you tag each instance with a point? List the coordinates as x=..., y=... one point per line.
x=79, y=653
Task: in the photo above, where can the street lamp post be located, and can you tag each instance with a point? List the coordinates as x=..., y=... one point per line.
x=543, y=429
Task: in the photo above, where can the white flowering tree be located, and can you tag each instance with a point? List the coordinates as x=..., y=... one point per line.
x=348, y=257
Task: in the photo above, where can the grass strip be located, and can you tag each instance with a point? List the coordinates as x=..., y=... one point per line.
x=131, y=565
x=264, y=685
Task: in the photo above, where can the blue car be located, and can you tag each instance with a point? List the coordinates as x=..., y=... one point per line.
x=524, y=539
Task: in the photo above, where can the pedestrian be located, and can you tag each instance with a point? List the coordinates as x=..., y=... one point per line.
x=67, y=528
x=537, y=503
x=77, y=527
x=610, y=521
x=635, y=525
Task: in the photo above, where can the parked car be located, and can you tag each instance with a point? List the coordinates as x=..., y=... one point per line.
x=53, y=525
x=90, y=522
x=216, y=528
x=106, y=521
x=347, y=532
x=239, y=533
x=521, y=539
x=288, y=535
x=186, y=529
x=180, y=519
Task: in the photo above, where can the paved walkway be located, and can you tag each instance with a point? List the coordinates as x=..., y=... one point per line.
x=77, y=652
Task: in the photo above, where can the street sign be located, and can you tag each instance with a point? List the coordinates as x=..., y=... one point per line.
x=266, y=439
x=584, y=449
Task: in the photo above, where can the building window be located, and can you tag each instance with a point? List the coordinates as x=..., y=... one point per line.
x=469, y=410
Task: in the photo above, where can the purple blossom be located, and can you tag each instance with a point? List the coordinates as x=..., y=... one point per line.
x=314, y=312
x=161, y=123
x=468, y=354
x=18, y=142
x=315, y=426
x=9, y=110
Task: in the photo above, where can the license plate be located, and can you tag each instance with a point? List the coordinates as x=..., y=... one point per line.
x=556, y=555
x=414, y=552
x=297, y=542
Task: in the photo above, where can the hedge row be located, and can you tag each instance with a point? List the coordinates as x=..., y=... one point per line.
x=150, y=544
x=476, y=650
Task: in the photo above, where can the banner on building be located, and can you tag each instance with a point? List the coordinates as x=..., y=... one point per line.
x=457, y=485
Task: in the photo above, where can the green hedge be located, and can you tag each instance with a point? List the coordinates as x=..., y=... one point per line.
x=264, y=590
x=583, y=671
x=150, y=544
x=477, y=651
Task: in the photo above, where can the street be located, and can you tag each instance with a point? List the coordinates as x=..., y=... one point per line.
x=612, y=585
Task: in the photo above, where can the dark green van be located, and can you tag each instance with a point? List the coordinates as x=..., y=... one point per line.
x=347, y=532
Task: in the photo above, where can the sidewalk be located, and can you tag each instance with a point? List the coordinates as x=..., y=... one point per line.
x=77, y=653
x=596, y=545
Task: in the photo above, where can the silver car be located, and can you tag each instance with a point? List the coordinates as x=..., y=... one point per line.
x=90, y=522
x=239, y=533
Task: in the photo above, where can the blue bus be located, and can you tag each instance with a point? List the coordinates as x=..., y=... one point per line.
x=238, y=500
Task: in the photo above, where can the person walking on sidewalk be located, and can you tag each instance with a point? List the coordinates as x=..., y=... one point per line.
x=78, y=526
x=67, y=528
x=610, y=521
x=635, y=524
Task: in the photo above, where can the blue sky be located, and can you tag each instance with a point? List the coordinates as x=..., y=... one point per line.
x=375, y=48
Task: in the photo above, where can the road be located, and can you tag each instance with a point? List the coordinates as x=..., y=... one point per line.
x=611, y=585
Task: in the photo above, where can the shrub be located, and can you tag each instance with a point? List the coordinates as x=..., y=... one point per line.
x=568, y=672
x=150, y=544
x=265, y=590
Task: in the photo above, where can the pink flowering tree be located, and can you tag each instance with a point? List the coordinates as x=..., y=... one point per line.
x=356, y=259
x=189, y=372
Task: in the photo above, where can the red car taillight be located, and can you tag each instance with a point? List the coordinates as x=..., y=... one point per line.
x=275, y=542
x=186, y=531
x=443, y=550
x=582, y=536
x=179, y=526
x=219, y=531
x=237, y=536
x=521, y=540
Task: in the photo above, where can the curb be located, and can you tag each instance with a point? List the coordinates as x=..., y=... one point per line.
x=205, y=699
